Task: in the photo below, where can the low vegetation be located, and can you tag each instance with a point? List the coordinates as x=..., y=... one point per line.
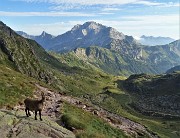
x=14, y=86
x=86, y=125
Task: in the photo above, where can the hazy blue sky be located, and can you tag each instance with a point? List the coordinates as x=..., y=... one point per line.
x=132, y=17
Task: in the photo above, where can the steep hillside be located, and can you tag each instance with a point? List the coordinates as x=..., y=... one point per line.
x=29, y=58
x=20, y=54
x=155, y=95
x=164, y=57
x=152, y=60
x=107, y=60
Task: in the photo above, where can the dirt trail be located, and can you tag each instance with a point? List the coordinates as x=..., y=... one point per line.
x=54, y=102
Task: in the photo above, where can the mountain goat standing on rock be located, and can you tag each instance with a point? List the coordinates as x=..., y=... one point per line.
x=34, y=105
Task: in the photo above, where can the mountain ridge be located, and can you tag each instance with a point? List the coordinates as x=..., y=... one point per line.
x=153, y=41
x=156, y=59
x=151, y=60
x=86, y=35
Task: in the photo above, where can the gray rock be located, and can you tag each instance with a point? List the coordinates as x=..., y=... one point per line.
x=16, y=124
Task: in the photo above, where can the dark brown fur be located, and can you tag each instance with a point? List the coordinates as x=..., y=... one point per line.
x=34, y=105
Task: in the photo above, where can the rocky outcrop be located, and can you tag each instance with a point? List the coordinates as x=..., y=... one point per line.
x=15, y=124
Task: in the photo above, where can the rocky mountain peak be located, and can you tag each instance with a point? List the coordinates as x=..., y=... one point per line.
x=43, y=34
x=88, y=27
x=75, y=27
x=113, y=33
x=92, y=25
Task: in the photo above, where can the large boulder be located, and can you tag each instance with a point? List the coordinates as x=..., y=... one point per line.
x=16, y=124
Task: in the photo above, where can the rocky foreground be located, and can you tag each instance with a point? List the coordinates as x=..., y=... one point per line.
x=15, y=124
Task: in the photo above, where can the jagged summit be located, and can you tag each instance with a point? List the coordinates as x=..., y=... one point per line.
x=88, y=27
x=93, y=25
x=84, y=35
x=43, y=33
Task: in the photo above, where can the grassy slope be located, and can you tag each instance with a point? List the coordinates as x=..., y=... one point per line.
x=118, y=101
x=89, y=126
x=103, y=90
x=14, y=86
x=97, y=87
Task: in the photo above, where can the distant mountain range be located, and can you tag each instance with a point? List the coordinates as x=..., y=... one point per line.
x=112, y=51
x=88, y=34
x=153, y=41
x=91, y=34
x=44, y=39
x=173, y=69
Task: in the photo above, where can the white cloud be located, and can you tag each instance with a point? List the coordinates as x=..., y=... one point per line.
x=51, y=28
x=103, y=2
x=155, y=25
x=110, y=9
x=170, y=4
x=49, y=14
x=84, y=2
x=106, y=13
x=148, y=3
